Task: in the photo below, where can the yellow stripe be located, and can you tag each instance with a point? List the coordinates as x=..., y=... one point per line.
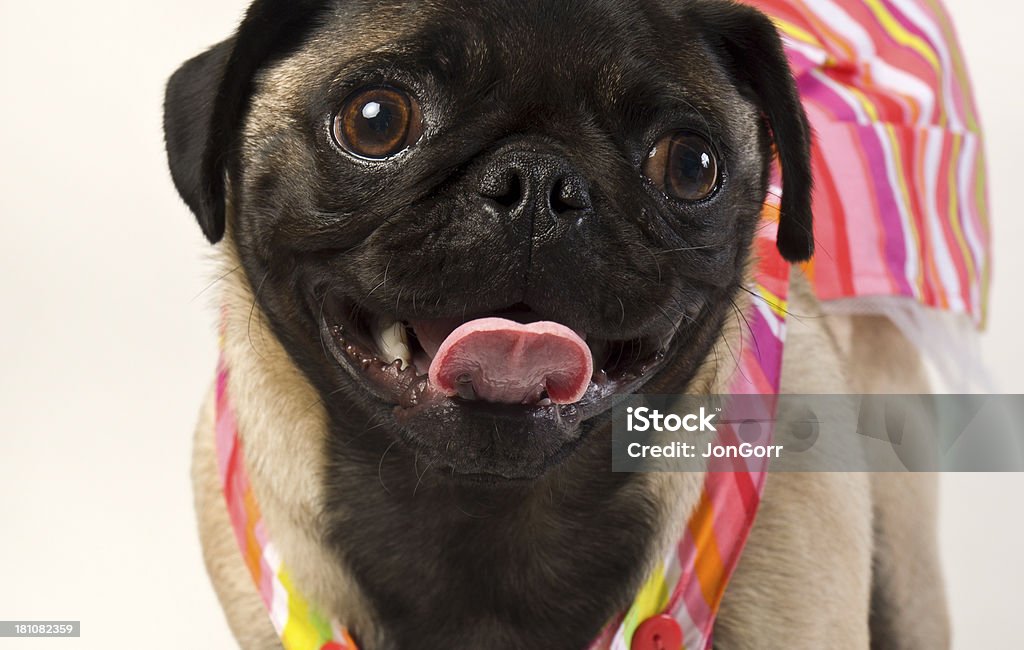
x=896, y=159
x=981, y=205
x=868, y=105
x=861, y=98
x=901, y=35
x=954, y=208
x=959, y=68
x=797, y=33
x=973, y=124
x=650, y=601
x=777, y=304
x=299, y=633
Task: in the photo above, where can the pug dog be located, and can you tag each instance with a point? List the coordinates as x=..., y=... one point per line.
x=403, y=191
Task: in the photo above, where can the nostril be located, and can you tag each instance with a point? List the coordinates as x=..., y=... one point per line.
x=569, y=193
x=505, y=189
x=527, y=183
x=513, y=193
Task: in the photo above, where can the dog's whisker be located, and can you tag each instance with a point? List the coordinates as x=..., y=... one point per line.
x=384, y=275
x=469, y=514
x=387, y=267
x=496, y=438
x=380, y=466
x=672, y=323
x=654, y=257
x=398, y=299
x=367, y=430
x=736, y=359
x=700, y=114
x=214, y=282
x=252, y=311
x=419, y=478
x=746, y=324
x=681, y=310
x=309, y=407
x=320, y=318
x=638, y=351
x=784, y=310
x=685, y=249
x=718, y=364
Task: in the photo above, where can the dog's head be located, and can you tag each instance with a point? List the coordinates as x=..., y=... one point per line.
x=481, y=222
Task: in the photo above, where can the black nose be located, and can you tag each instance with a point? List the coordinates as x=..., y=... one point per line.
x=525, y=181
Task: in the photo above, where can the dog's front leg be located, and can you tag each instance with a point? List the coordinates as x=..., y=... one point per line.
x=804, y=580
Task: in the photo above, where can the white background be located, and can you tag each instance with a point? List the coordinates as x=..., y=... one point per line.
x=107, y=340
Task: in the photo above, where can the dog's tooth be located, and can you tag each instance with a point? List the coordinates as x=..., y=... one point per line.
x=394, y=344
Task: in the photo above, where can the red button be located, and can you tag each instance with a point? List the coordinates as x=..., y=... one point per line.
x=658, y=633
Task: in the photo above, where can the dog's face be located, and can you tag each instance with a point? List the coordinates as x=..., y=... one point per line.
x=477, y=224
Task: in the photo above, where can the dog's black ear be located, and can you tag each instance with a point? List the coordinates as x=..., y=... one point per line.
x=207, y=99
x=750, y=48
x=188, y=108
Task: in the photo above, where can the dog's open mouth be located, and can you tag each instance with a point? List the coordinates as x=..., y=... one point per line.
x=507, y=357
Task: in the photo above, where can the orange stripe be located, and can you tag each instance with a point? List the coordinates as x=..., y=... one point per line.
x=709, y=568
x=830, y=38
x=252, y=545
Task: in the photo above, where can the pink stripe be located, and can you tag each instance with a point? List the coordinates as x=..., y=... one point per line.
x=690, y=594
x=816, y=93
x=224, y=431
x=760, y=358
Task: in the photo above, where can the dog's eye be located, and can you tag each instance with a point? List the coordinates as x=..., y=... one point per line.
x=377, y=123
x=683, y=165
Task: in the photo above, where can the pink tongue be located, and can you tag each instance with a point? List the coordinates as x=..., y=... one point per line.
x=499, y=360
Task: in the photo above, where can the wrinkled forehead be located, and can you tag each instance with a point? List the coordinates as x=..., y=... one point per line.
x=610, y=55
